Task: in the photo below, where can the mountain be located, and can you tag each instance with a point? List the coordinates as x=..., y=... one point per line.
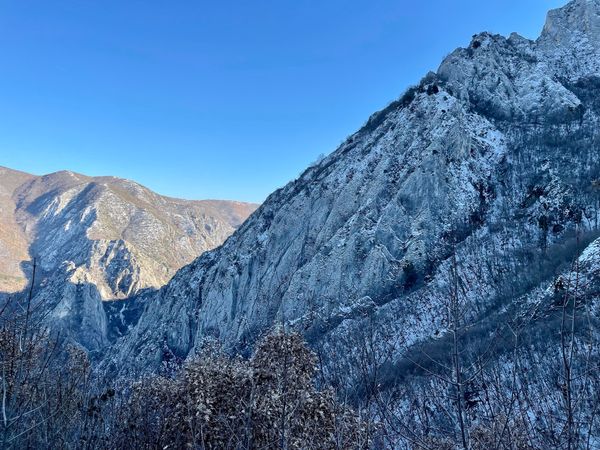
x=14, y=244
x=482, y=179
x=113, y=235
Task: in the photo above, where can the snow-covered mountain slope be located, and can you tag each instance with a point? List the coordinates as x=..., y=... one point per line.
x=493, y=161
x=113, y=235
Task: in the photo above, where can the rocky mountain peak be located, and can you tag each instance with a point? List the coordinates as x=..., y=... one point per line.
x=577, y=17
x=570, y=40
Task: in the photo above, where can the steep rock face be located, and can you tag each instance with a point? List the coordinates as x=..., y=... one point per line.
x=102, y=238
x=73, y=307
x=571, y=39
x=489, y=167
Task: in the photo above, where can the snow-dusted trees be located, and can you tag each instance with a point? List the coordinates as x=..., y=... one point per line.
x=523, y=377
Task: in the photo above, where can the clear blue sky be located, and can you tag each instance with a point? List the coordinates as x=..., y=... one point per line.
x=216, y=99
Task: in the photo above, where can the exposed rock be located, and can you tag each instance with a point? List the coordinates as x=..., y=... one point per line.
x=101, y=238
x=490, y=161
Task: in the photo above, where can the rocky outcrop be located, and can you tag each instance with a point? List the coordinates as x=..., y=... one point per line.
x=570, y=40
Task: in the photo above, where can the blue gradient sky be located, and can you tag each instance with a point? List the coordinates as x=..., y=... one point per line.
x=224, y=99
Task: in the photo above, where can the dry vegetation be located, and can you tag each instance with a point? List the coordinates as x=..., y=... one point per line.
x=50, y=399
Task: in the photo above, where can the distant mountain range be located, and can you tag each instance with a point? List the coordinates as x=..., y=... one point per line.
x=112, y=233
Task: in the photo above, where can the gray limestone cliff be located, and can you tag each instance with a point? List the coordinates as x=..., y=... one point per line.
x=493, y=161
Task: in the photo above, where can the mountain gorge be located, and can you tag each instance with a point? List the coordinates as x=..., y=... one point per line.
x=111, y=235
x=442, y=264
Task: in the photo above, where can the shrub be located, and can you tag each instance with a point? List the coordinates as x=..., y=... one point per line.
x=222, y=402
